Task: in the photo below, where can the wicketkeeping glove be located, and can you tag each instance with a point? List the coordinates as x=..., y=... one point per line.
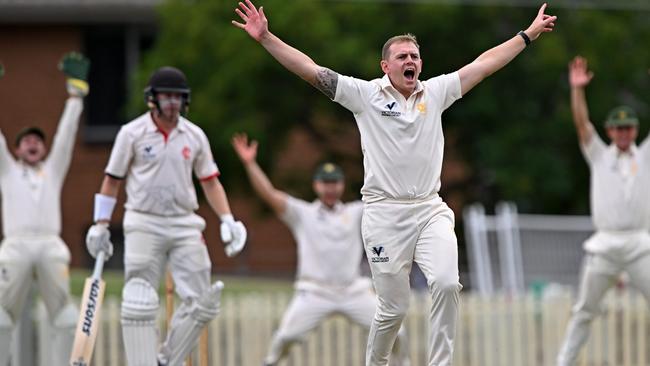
x=233, y=234
x=75, y=66
x=98, y=239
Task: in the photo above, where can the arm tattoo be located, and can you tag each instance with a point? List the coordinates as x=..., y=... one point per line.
x=326, y=81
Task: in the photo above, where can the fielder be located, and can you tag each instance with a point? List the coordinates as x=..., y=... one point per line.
x=404, y=219
x=31, y=220
x=328, y=235
x=156, y=154
x=620, y=206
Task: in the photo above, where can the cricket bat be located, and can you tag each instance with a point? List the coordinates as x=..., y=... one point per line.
x=89, y=317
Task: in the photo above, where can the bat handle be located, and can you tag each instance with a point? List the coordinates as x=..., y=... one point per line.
x=99, y=265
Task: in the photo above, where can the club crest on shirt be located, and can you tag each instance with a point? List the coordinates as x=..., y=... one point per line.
x=4, y=274
x=377, y=256
x=421, y=107
x=186, y=152
x=390, y=112
x=148, y=153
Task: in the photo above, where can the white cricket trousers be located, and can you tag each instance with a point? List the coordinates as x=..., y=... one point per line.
x=45, y=258
x=599, y=273
x=395, y=235
x=150, y=243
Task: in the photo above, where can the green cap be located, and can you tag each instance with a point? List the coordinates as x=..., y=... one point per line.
x=329, y=172
x=621, y=116
x=29, y=131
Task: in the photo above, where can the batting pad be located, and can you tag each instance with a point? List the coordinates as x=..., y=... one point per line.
x=187, y=323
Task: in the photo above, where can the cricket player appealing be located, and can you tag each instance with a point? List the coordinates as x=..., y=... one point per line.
x=31, y=220
x=404, y=219
x=156, y=153
x=620, y=208
x=330, y=250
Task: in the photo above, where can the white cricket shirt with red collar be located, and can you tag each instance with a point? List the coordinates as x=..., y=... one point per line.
x=158, y=167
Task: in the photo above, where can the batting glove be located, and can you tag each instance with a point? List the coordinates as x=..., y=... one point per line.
x=98, y=239
x=75, y=67
x=233, y=234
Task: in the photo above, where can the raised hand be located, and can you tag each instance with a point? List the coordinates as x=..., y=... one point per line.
x=247, y=152
x=579, y=74
x=541, y=24
x=75, y=66
x=255, y=23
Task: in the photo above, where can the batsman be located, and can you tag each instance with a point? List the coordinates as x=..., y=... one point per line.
x=31, y=220
x=156, y=155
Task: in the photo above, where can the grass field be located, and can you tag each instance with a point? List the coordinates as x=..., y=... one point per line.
x=234, y=284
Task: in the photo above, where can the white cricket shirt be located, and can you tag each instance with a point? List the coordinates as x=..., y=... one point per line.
x=401, y=139
x=158, y=168
x=329, y=240
x=31, y=195
x=620, y=185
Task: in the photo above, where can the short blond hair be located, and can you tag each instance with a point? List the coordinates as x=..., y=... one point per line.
x=407, y=37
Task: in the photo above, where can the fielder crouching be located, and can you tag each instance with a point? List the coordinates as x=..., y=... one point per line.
x=156, y=154
x=31, y=220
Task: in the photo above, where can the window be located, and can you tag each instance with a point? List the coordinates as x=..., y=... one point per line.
x=115, y=53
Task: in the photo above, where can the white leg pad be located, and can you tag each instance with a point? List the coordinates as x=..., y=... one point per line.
x=63, y=327
x=139, y=310
x=187, y=323
x=6, y=329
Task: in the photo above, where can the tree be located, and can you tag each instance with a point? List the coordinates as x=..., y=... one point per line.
x=514, y=131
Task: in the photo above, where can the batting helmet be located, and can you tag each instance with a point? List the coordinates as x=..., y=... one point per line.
x=167, y=79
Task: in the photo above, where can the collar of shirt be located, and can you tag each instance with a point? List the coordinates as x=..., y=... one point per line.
x=29, y=167
x=337, y=206
x=632, y=151
x=386, y=83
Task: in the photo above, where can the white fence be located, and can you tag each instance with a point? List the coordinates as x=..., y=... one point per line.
x=493, y=331
x=511, y=252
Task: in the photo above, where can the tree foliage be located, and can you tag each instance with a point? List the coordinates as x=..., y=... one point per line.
x=514, y=131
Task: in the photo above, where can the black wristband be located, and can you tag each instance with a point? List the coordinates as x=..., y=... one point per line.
x=524, y=36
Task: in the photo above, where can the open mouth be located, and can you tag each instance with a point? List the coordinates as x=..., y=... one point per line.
x=409, y=74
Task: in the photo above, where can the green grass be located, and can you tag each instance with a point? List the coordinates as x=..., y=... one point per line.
x=234, y=284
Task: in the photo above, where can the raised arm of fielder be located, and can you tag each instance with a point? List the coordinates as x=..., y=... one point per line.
x=579, y=78
x=261, y=184
x=495, y=58
x=75, y=66
x=257, y=26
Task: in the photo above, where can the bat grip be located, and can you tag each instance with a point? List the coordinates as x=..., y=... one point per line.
x=99, y=265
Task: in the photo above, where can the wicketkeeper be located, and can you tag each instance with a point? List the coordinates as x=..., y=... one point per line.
x=31, y=220
x=156, y=154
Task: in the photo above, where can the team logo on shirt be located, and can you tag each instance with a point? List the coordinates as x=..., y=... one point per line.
x=4, y=274
x=421, y=107
x=186, y=152
x=377, y=255
x=390, y=112
x=148, y=153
